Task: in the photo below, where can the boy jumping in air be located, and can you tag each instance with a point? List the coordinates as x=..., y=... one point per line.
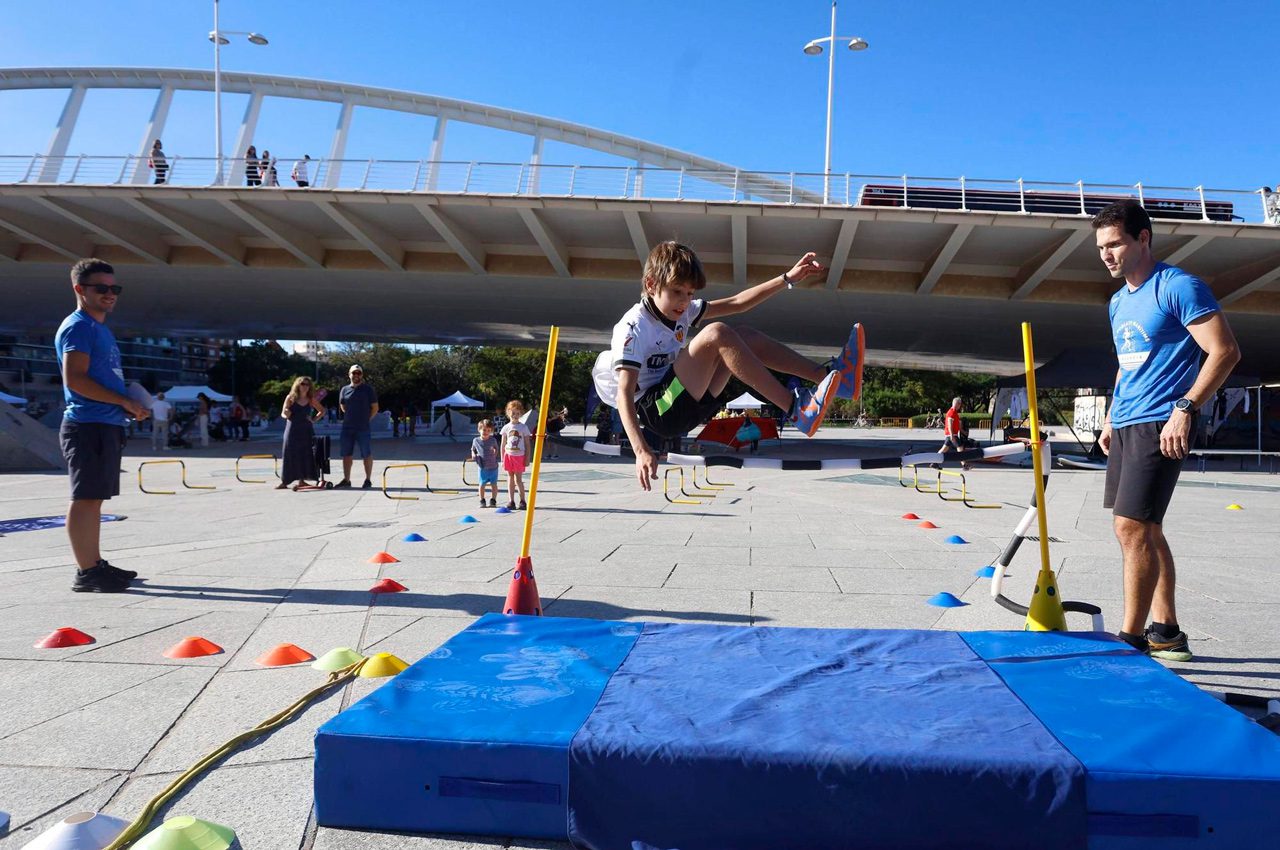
x=660, y=380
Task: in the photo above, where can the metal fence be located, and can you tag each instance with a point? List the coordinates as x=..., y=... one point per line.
x=962, y=194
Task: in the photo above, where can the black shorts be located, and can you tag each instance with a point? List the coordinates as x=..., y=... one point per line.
x=1140, y=480
x=667, y=409
x=92, y=451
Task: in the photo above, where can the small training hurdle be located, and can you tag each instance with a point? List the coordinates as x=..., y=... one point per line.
x=275, y=464
x=181, y=464
x=690, y=498
x=426, y=474
x=965, y=498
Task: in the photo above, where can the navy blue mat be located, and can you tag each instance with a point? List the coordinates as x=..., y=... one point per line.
x=715, y=737
x=39, y=523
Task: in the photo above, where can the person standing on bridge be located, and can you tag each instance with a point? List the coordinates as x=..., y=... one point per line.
x=252, y=167
x=92, y=431
x=1161, y=320
x=359, y=403
x=657, y=383
x=299, y=174
x=158, y=163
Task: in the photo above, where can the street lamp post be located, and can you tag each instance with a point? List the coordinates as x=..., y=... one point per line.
x=815, y=48
x=219, y=37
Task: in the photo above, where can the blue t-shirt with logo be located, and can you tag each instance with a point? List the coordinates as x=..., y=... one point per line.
x=1159, y=359
x=82, y=333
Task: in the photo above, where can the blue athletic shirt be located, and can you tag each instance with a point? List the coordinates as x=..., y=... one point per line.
x=1159, y=359
x=85, y=334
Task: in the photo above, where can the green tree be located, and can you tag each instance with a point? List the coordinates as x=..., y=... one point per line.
x=255, y=364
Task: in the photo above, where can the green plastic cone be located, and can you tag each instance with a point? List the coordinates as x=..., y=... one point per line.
x=187, y=833
x=337, y=659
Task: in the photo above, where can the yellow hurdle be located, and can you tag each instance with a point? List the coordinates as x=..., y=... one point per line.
x=706, y=473
x=965, y=498
x=169, y=492
x=275, y=463
x=426, y=477
x=666, y=485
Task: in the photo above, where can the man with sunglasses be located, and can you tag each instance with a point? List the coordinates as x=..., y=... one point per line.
x=92, y=432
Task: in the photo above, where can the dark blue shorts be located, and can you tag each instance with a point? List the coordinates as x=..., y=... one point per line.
x=92, y=451
x=347, y=441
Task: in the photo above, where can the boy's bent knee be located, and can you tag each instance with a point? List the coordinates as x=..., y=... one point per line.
x=720, y=334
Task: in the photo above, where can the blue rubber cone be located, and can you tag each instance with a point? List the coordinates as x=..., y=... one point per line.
x=503, y=510
x=413, y=537
x=4, y=824
x=956, y=539
x=467, y=520
x=986, y=572
x=946, y=600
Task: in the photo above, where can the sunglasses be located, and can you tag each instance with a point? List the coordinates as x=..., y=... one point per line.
x=104, y=288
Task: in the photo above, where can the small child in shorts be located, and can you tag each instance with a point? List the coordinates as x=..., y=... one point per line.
x=516, y=440
x=485, y=452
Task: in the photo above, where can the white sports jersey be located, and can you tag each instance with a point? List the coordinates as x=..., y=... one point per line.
x=647, y=343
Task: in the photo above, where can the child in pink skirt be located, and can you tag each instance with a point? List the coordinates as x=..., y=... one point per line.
x=516, y=442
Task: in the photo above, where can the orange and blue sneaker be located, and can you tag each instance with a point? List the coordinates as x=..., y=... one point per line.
x=849, y=364
x=810, y=406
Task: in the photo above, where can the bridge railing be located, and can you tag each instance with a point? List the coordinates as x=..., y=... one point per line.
x=961, y=194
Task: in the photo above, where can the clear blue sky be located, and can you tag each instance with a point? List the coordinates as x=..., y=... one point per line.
x=1174, y=93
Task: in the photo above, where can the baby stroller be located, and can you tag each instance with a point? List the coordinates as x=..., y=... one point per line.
x=320, y=449
x=178, y=428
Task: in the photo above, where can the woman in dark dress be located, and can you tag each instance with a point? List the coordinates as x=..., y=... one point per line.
x=298, y=461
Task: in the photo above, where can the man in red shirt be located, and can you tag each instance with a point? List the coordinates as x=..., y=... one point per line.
x=956, y=437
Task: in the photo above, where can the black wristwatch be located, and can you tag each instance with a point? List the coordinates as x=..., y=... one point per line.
x=1186, y=405
x=788, y=281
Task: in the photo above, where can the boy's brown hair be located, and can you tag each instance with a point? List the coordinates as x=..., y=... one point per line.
x=671, y=263
x=482, y=424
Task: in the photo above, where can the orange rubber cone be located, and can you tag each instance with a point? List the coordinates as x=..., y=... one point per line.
x=522, y=595
x=926, y=524
x=64, y=637
x=910, y=516
x=192, y=647
x=388, y=585
x=284, y=655
x=384, y=558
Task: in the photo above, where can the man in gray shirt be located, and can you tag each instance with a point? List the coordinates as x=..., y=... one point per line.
x=359, y=403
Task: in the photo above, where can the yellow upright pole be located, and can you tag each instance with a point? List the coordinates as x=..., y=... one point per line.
x=522, y=595
x=541, y=438
x=1045, y=612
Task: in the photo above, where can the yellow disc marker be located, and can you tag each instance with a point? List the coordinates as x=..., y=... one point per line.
x=382, y=665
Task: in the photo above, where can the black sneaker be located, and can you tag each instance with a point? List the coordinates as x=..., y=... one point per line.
x=1170, y=649
x=367, y=485
x=98, y=580
x=493, y=503
x=343, y=484
x=1138, y=642
x=128, y=575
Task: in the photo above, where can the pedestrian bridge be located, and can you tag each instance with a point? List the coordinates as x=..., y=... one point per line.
x=941, y=270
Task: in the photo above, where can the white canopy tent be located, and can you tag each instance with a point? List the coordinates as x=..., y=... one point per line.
x=746, y=401
x=458, y=399
x=174, y=395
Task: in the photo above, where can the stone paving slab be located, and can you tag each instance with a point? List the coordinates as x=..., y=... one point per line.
x=249, y=566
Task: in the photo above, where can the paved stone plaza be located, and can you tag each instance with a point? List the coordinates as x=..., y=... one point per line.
x=106, y=726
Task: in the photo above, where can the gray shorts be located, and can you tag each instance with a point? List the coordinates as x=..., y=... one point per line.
x=92, y=451
x=1140, y=480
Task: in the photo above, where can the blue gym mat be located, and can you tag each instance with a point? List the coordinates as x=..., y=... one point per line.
x=715, y=737
x=40, y=523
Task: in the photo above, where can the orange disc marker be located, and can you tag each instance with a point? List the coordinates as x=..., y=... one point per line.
x=192, y=647
x=284, y=655
x=64, y=637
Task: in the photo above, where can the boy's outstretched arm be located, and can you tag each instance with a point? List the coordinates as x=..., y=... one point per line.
x=646, y=460
x=807, y=267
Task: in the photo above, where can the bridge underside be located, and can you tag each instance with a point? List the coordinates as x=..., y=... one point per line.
x=935, y=289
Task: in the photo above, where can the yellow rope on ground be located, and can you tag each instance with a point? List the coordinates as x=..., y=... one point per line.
x=135, y=830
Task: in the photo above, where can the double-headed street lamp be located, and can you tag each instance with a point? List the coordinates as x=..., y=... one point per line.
x=815, y=48
x=219, y=37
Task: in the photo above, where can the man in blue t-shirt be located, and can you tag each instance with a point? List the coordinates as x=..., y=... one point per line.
x=92, y=432
x=1161, y=320
x=359, y=403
